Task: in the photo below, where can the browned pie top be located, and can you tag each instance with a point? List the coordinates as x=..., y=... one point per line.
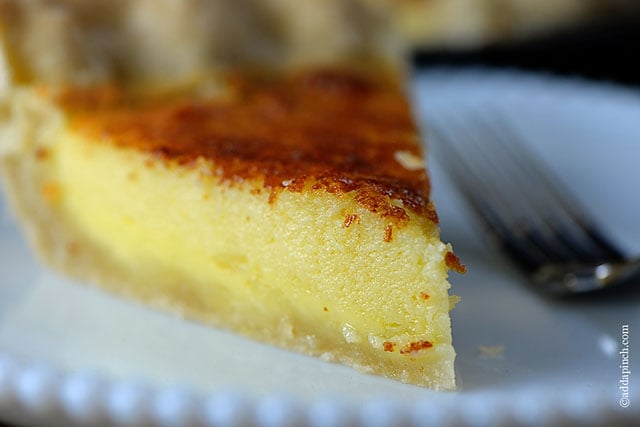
x=330, y=129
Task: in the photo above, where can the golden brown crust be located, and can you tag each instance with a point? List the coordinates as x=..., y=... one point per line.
x=453, y=263
x=326, y=129
x=414, y=347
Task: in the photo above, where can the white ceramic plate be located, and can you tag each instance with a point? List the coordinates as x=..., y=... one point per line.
x=70, y=353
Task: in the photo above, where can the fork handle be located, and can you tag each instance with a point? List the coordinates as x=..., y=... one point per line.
x=577, y=278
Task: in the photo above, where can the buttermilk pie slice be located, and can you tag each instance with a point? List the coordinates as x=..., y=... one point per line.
x=291, y=206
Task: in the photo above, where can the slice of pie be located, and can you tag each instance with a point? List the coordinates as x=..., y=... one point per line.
x=291, y=206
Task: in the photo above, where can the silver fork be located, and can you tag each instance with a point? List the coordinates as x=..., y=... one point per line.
x=528, y=213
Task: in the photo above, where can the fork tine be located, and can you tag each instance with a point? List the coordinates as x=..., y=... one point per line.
x=535, y=222
x=535, y=203
x=565, y=215
x=518, y=187
x=482, y=194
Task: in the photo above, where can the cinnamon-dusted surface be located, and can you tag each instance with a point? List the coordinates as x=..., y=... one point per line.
x=332, y=129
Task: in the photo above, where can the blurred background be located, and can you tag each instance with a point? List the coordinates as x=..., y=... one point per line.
x=89, y=41
x=595, y=39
